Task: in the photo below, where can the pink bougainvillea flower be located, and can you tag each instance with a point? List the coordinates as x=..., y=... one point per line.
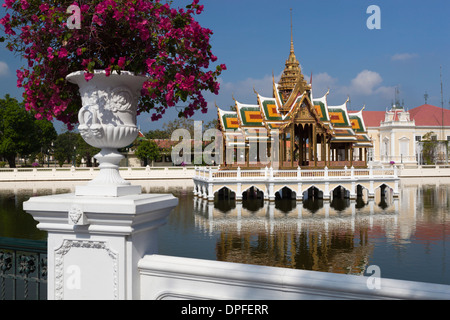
x=121, y=62
x=8, y=3
x=150, y=38
x=62, y=53
x=88, y=76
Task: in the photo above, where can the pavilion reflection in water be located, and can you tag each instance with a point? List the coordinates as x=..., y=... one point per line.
x=319, y=235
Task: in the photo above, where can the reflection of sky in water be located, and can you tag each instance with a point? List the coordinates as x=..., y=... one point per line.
x=408, y=238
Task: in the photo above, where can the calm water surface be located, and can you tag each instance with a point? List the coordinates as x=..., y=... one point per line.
x=408, y=238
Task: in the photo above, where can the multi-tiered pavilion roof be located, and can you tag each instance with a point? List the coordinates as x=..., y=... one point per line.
x=311, y=132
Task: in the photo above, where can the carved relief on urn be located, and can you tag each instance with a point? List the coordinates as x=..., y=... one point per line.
x=109, y=107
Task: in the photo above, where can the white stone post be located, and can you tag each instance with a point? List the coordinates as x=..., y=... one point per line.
x=210, y=192
x=271, y=192
x=95, y=242
x=326, y=191
x=238, y=191
x=299, y=194
x=371, y=193
x=353, y=190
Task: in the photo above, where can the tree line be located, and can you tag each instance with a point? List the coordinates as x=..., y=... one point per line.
x=22, y=136
x=35, y=141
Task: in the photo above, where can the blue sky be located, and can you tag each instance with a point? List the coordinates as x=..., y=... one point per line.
x=331, y=41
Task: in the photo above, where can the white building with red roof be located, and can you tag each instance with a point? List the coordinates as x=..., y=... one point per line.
x=397, y=133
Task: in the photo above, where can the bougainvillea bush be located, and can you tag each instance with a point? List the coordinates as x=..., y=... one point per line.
x=142, y=36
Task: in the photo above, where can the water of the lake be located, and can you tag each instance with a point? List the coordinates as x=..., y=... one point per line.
x=408, y=238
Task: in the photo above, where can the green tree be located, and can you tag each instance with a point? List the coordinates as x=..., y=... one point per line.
x=147, y=150
x=157, y=134
x=65, y=147
x=19, y=131
x=46, y=133
x=85, y=151
x=429, y=147
x=213, y=124
x=179, y=123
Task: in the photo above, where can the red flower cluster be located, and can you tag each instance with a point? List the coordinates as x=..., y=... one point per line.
x=146, y=37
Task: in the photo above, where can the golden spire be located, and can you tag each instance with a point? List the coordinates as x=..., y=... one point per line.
x=291, y=72
x=292, y=38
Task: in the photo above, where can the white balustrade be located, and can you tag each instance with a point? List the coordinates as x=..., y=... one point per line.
x=294, y=175
x=84, y=173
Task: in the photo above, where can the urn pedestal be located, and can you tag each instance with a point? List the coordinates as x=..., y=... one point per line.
x=97, y=235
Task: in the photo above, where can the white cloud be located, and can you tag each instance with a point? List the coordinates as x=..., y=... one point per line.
x=403, y=56
x=243, y=90
x=365, y=83
x=321, y=82
x=4, y=69
x=386, y=92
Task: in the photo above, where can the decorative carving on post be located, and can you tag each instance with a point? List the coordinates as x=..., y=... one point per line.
x=77, y=216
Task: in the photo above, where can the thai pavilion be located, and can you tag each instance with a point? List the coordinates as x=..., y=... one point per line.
x=311, y=134
x=291, y=145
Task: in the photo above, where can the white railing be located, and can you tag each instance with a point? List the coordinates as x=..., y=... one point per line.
x=77, y=173
x=264, y=174
x=166, y=277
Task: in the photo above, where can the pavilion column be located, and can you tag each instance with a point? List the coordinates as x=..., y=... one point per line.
x=351, y=156
x=280, y=147
x=365, y=157
x=301, y=149
x=224, y=151
x=314, y=145
x=322, y=145
x=258, y=160
x=309, y=145
x=307, y=150
x=329, y=153
x=292, y=145
x=247, y=156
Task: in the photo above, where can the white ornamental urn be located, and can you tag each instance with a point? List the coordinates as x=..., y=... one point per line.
x=108, y=121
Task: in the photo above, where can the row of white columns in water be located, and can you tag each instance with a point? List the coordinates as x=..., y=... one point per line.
x=347, y=190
